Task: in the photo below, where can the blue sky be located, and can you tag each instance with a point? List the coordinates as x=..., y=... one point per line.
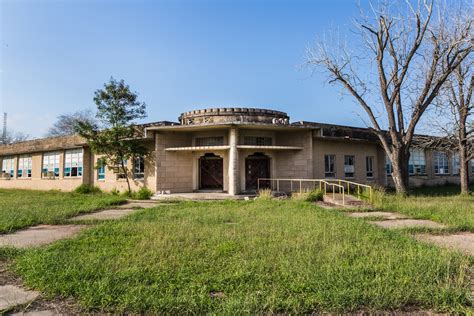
x=178, y=55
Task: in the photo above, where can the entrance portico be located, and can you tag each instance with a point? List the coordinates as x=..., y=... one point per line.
x=225, y=150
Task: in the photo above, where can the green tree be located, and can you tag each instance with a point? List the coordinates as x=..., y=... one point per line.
x=118, y=139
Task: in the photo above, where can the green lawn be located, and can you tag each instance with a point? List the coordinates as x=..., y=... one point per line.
x=440, y=204
x=247, y=257
x=22, y=208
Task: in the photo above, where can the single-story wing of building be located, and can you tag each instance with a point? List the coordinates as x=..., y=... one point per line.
x=223, y=150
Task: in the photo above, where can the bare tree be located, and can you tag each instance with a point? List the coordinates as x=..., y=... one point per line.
x=454, y=119
x=66, y=123
x=401, y=57
x=13, y=137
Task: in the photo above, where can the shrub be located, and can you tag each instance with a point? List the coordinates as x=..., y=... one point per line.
x=143, y=194
x=87, y=189
x=308, y=195
x=315, y=195
x=264, y=194
x=115, y=192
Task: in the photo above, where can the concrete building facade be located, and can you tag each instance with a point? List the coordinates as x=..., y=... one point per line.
x=222, y=149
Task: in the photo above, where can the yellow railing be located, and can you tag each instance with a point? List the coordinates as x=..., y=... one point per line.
x=295, y=185
x=342, y=186
x=357, y=188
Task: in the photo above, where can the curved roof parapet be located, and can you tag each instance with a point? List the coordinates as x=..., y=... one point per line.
x=233, y=115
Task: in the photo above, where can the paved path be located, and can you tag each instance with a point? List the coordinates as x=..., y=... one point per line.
x=104, y=215
x=39, y=235
x=385, y=215
x=463, y=242
x=11, y=296
x=460, y=241
x=407, y=223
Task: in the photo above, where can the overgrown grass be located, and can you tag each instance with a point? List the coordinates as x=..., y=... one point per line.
x=263, y=256
x=441, y=204
x=22, y=208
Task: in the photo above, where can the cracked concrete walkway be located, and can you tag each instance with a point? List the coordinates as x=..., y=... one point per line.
x=463, y=241
x=460, y=241
x=39, y=235
x=11, y=296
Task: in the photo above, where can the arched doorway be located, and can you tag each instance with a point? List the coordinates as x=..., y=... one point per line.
x=256, y=166
x=211, y=172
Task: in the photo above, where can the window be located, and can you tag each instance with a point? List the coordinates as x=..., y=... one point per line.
x=101, y=172
x=257, y=141
x=349, y=169
x=121, y=174
x=417, y=162
x=369, y=166
x=73, y=163
x=8, y=166
x=456, y=164
x=210, y=141
x=139, y=168
x=329, y=166
x=51, y=164
x=440, y=162
x=388, y=166
x=24, y=166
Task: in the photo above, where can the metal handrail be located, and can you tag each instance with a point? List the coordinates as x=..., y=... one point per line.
x=320, y=181
x=357, y=185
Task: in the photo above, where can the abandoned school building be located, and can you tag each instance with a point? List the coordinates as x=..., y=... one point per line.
x=223, y=149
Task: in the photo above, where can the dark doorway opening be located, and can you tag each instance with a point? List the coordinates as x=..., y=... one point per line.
x=257, y=166
x=211, y=172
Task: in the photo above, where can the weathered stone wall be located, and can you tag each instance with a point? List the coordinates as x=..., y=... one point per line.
x=295, y=164
x=43, y=145
x=112, y=183
x=37, y=181
x=432, y=179
x=340, y=148
x=174, y=169
x=233, y=115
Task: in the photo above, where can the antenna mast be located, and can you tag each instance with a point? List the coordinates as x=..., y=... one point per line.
x=4, y=133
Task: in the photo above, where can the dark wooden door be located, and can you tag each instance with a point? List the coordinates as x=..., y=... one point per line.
x=211, y=173
x=256, y=167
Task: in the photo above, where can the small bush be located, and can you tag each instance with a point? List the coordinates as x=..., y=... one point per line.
x=315, y=195
x=143, y=194
x=264, y=194
x=87, y=189
x=115, y=192
x=308, y=195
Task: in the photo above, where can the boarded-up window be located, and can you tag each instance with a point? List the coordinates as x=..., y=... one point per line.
x=257, y=141
x=210, y=141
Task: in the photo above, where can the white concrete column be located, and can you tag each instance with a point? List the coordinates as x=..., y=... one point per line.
x=234, y=178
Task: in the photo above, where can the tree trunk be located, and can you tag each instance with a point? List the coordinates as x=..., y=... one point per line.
x=126, y=177
x=400, y=178
x=463, y=169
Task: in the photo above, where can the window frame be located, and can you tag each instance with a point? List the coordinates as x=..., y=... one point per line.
x=140, y=175
x=456, y=164
x=53, y=160
x=329, y=173
x=369, y=172
x=74, y=153
x=24, y=163
x=11, y=164
x=349, y=175
x=417, y=162
x=436, y=163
